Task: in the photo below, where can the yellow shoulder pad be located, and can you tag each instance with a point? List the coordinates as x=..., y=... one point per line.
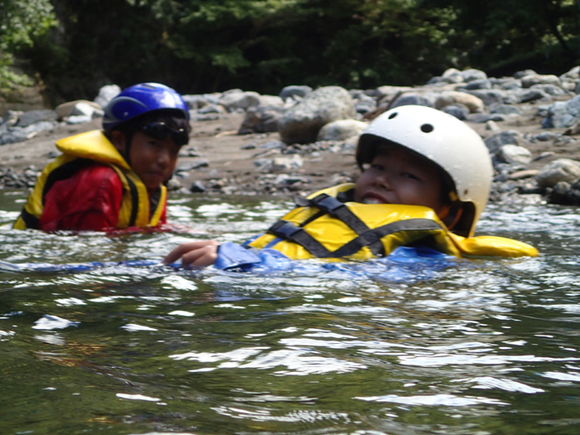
x=491, y=246
x=333, y=191
x=92, y=145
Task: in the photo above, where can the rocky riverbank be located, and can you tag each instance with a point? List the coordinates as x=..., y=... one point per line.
x=302, y=139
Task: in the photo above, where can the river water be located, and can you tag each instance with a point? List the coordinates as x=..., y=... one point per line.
x=482, y=347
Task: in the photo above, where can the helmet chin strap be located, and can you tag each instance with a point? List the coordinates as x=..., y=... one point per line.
x=127, y=152
x=454, y=215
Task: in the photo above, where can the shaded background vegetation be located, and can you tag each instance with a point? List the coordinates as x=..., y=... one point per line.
x=76, y=46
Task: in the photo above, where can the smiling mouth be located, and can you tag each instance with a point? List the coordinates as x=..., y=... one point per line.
x=373, y=200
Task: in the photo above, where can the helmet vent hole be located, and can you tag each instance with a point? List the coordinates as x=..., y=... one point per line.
x=427, y=128
x=466, y=191
x=392, y=115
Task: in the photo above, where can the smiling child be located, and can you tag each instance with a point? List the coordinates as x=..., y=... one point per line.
x=426, y=178
x=114, y=179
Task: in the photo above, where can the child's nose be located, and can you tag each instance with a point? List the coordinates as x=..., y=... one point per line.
x=384, y=179
x=164, y=156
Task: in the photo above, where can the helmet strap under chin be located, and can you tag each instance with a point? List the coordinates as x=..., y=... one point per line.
x=454, y=215
x=127, y=153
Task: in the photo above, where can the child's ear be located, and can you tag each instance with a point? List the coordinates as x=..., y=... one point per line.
x=118, y=140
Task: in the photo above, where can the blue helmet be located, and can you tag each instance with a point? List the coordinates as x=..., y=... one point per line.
x=142, y=98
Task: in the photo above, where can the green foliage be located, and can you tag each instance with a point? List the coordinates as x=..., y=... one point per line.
x=499, y=31
x=21, y=23
x=213, y=45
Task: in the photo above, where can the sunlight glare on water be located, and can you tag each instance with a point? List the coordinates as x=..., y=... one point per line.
x=482, y=347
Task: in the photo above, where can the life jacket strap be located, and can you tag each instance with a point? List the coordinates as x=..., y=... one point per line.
x=293, y=233
x=288, y=231
x=29, y=219
x=339, y=210
x=133, y=192
x=134, y=200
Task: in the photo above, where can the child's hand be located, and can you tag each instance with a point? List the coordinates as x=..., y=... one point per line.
x=197, y=254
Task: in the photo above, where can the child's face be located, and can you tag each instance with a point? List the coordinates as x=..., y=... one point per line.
x=398, y=176
x=153, y=160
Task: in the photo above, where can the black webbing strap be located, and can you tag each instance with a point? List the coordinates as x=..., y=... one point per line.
x=335, y=208
x=370, y=238
x=339, y=210
x=288, y=231
x=375, y=235
x=154, y=201
x=134, y=200
x=29, y=219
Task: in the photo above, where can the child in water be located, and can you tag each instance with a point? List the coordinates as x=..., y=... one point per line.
x=114, y=179
x=425, y=181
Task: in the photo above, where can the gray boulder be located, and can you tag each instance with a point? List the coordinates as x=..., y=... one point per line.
x=236, y=99
x=412, y=99
x=565, y=193
x=506, y=109
x=558, y=170
x=460, y=111
x=302, y=122
x=537, y=79
x=270, y=100
x=489, y=97
x=261, y=119
x=477, y=84
x=521, y=74
x=364, y=103
x=196, y=102
x=482, y=118
x=76, y=108
x=295, y=91
x=532, y=94
x=507, y=84
x=34, y=116
x=472, y=102
x=514, y=154
x=341, y=130
x=510, y=137
x=106, y=94
x=563, y=114
x=470, y=75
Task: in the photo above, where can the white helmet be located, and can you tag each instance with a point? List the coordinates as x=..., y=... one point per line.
x=446, y=141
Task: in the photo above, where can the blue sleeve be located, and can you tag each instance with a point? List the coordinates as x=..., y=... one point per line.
x=234, y=256
x=231, y=256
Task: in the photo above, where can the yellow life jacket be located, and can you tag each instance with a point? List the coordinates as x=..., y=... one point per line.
x=323, y=226
x=78, y=150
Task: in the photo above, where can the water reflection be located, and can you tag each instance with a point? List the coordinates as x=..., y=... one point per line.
x=481, y=347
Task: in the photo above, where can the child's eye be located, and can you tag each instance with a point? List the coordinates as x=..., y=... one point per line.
x=377, y=167
x=410, y=175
